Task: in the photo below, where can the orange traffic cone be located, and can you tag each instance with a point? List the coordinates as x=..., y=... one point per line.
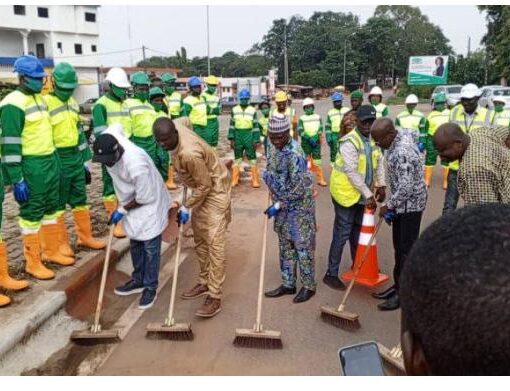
x=369, y=274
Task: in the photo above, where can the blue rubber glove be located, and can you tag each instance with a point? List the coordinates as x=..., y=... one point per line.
x=117, y=215
x=21, y=191
x=422, y=146
x=182, y=215
x=389, y=216
x=273, y=210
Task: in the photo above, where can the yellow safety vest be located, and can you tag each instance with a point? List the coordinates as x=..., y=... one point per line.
x=340, y=186
x=198, y=115
x=311, y=124
x=173, y=102
x=410, y=120
x=37, y=134
x=64, y=118
x=116, y=112
x=379, y=108
x=335, y=117
x=243, y=119
x=436, y=119
x=213, y=101
x=500, y=119
x=142, y=116
x=264, y=125
x=458, y=116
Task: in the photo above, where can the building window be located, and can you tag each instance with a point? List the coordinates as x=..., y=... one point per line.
x=39, y=50
x=19, y=10
x=77, y=48
x=42, y=12
x=90, y=17
x=59, y=46
x=93, y=48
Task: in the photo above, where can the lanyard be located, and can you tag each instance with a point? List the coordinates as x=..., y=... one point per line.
x=468, y=128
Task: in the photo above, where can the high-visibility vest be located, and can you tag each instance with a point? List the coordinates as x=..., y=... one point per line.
x=198, y=115
x=410, y=120
x=116, y=112
x=213, y=101
x=436, y=119
x=64, y=118
x=311, y=124
x=500, y=119
x=264, y=125
x=142, y=116
x=335, y=117
x=37, y=134
x=173, y=102
x=243, y=119
x=379, y=108
x=458, y=116
x=341, y=188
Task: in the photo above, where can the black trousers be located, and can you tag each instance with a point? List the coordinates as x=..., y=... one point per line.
x=406, y=228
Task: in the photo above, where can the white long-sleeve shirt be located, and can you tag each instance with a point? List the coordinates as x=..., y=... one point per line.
x=135, y=177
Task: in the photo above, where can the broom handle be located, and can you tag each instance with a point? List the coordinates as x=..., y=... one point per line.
x=170, y=318
x=360, y=265
x=258, y=326
x=96, y=327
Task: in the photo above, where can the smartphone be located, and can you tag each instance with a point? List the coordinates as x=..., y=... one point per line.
x=362, y=359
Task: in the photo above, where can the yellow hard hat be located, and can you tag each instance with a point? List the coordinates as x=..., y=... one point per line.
x=280, y=96
x=212, y=80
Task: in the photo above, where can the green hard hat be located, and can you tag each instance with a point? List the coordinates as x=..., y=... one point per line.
x=155, y=91
x=167, y=78
x=440, y=97
x=358, y=94
x=65, y=76
x=139, y=78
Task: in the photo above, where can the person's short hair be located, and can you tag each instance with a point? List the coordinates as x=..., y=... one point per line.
x=455, y=292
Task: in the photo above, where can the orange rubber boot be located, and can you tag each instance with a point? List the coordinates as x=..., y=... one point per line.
x=170, y=184
x=110, y=207
x=320, y=176
x=235, y=175
x=63, y=238
x=50, y=246
x=84, y=230
x=428, y=175
x=445, y=177
x=32, y=252
x=255, y=177
x=4, y=300
x=6, y=281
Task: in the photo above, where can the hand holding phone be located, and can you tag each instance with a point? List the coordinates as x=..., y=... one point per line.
x=362, y=359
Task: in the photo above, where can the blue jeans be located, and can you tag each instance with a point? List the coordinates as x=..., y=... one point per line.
x=451, y=197
x=146, y=256
x=347, y=227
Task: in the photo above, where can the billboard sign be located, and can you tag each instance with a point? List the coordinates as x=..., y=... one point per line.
x=427, y=70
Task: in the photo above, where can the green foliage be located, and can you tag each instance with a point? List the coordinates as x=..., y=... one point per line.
x=470, y=69
x=5, y=90
x=422, y=92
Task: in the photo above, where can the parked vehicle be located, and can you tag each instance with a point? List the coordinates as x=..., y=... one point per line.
x=489, y=92
x=86, y=107
x=452, y=93
x=228, y=103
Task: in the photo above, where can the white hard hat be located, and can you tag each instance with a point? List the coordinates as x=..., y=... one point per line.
x=375, y=91
x=308, y=102
x=469, y=91
x=411, y=99
x=117, y=76
x=498, y=98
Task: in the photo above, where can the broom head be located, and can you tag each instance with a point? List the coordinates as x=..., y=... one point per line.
x=343, y=319
x=265, y=339
x=176, y=332
x=88, y=337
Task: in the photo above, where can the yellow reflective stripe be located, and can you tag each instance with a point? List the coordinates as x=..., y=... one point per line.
x=63, y=108
x=141, y=108
x=11, y=140
x=117, y=113
x=34, y=109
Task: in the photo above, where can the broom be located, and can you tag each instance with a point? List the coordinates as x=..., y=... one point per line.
x=170, y=329
x=393, y=358
x=339, y=317
x=258, y=337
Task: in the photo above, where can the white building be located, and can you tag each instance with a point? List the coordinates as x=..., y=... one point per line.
x=230, y=86
x=54, y=33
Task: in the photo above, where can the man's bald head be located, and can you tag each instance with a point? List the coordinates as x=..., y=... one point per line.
x=450, y=141
x=383, y=132
x=166, y=133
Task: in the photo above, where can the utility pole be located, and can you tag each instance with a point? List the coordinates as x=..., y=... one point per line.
x=143, y=53
x=208, y=45
x=285, y=59
x=345, y=59
x=469, y=47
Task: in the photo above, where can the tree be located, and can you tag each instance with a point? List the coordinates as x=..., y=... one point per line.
x=470, y=69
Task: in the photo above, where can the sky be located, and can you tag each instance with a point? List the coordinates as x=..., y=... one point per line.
x=164, y=29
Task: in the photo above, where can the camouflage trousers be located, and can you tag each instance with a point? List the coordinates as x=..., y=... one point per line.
x=293, y=255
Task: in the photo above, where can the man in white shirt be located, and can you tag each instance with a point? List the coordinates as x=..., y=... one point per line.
x=143, y=204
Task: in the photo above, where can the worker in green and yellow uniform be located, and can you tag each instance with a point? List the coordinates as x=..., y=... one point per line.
x=74, y=155
x=263, y=122
x=333, y=122
x=499, y=116
x=438, y=116
x=375, y=98
x=356, y=99
x=310, y=130
x=32, y=167
x=173, y=98
x=111, y=109
x=157, y=100
x=142, y=116
x=281, y=99
x=413, y=119
x=214, y=109
x=196, y=109
x=244, y=135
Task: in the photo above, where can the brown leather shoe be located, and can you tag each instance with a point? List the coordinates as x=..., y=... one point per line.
x=210, y=308
x=197, y=291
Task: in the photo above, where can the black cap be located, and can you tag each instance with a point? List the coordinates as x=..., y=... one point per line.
x=366, y=112
x=105, y=149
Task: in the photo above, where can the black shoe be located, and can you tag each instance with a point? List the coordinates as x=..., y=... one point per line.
x=303, y=295
x=333, y=282
x=393, y=303
x=129, y=288
x=386, y=294
x=148, y=298
x=280, y=291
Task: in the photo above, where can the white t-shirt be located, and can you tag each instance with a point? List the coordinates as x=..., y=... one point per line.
x=135, y=177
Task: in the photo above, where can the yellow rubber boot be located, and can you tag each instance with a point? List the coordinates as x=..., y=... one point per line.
x=50, y=246
x=6, y=281
x=32, y=252
x=4, y=300
x=428, y=175
x=445, y=177
x=320, y=176
x=110, y=207
x=63, y=238
x=84, y=230
x=255, y=177
x=235, y=175
x=170, y=184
